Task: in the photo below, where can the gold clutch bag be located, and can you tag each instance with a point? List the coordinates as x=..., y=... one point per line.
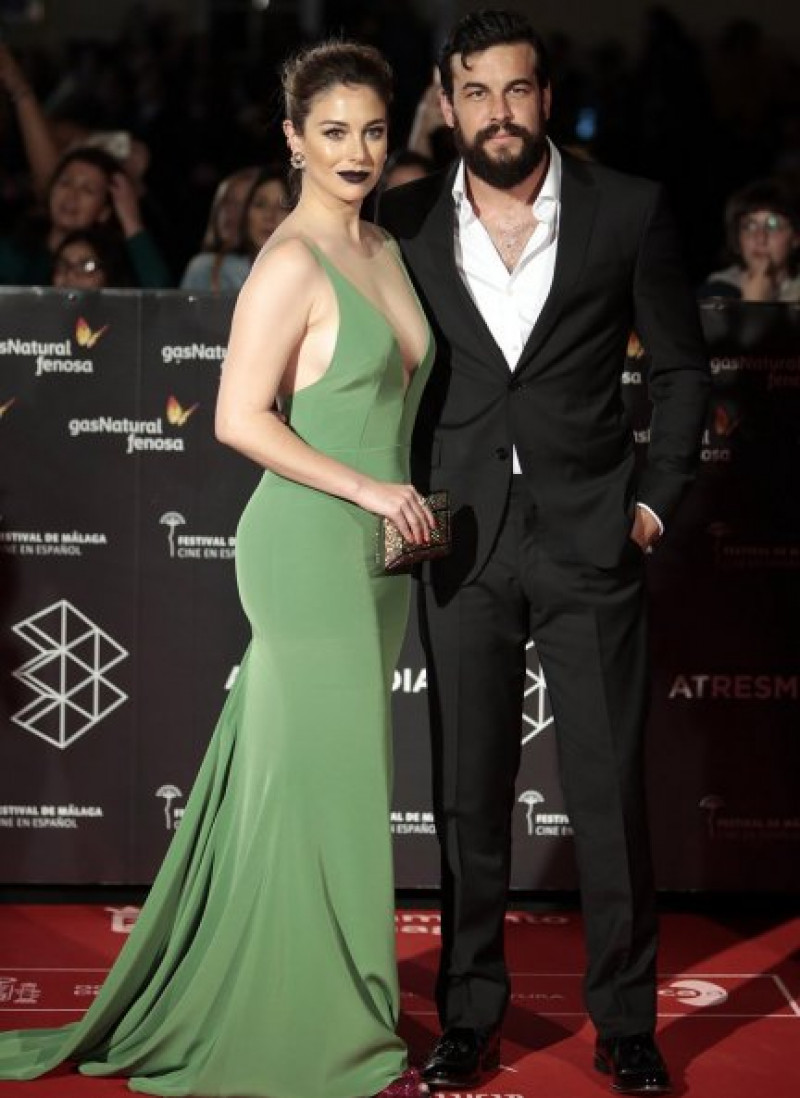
x=395, y=554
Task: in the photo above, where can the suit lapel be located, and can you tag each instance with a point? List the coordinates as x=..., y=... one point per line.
x=576, y=218
x=449, y=297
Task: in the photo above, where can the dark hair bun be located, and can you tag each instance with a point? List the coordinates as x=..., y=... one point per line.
x=319, y=68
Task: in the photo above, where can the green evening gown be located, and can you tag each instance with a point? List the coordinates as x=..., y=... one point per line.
x=263, y=962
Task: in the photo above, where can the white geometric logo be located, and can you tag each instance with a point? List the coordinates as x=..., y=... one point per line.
x=537, y=714
x=67, y=674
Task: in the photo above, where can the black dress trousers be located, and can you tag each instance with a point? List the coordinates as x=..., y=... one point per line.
x=589, y=627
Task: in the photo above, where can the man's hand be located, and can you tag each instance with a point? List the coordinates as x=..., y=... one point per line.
x=645, y=531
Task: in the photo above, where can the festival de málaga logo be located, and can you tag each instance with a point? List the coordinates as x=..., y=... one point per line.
x=543, y=824
x=59, y=356
x=770, y=825
x=202, y=546
x=7, y=405
x=172, y=813
x=140, y=435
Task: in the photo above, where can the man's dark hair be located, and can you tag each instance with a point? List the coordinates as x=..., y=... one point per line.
x=482, y=29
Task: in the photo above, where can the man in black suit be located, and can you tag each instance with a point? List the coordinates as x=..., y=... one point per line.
x=534, y=268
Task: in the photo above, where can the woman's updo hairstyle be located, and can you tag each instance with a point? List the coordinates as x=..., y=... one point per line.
x=317, y=69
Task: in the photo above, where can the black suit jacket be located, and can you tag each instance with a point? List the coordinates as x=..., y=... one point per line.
x=617, y=269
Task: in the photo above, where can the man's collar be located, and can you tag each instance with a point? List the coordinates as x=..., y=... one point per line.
x=548, y=198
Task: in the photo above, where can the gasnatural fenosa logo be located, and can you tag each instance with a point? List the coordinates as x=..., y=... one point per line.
x=141, y=435
x=58, y=356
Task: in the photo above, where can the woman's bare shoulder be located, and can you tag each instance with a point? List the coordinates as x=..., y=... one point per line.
x=285, y=273
x=291, y=255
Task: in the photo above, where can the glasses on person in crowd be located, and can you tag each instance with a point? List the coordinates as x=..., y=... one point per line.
x=78, y=266
x=772, y=223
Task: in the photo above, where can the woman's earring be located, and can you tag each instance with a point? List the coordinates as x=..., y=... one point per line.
x=298, y=161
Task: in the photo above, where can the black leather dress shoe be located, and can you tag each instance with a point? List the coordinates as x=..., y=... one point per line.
x=461, y=1056
x=634, y=1064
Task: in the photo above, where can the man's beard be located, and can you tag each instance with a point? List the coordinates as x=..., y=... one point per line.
x=507, y=169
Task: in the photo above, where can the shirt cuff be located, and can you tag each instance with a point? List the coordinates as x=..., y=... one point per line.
x=650, y=511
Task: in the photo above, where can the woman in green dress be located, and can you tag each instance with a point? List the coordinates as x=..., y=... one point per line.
x=262, y=964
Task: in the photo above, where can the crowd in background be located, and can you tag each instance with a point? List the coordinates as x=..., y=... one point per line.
x=157, y=160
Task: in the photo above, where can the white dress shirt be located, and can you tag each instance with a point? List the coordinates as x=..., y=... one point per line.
x=510, y=302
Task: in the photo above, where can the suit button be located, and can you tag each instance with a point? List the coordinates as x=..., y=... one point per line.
x=501, y=453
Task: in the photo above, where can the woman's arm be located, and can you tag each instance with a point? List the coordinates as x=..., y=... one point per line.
x=149, y=266
x=40, y=145
x=280, y=303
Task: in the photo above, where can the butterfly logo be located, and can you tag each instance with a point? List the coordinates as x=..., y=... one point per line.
x=4, y=407
x=726, y=420
x=84, y=336
x=176, y=415
x=635, y=348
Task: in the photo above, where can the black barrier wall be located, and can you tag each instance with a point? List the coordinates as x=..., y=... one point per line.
x=121, y=628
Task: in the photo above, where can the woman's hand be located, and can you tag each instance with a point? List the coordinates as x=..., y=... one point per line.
x=759, y=282
x=401, y=504
x=427, y=118
x=41, y=147
x=126, y=204
x=11, y=75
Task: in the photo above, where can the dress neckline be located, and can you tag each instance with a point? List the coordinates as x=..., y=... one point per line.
x=328, y=262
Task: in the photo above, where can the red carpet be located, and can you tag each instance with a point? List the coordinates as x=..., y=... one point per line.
x=729, y=1002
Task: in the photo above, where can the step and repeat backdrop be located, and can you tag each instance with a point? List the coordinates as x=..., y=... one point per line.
x=120, y=627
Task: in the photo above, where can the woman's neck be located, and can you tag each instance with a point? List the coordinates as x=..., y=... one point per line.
x=324, y=214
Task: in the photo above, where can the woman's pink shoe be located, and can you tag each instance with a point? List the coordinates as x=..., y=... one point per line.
x=409, y=1085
